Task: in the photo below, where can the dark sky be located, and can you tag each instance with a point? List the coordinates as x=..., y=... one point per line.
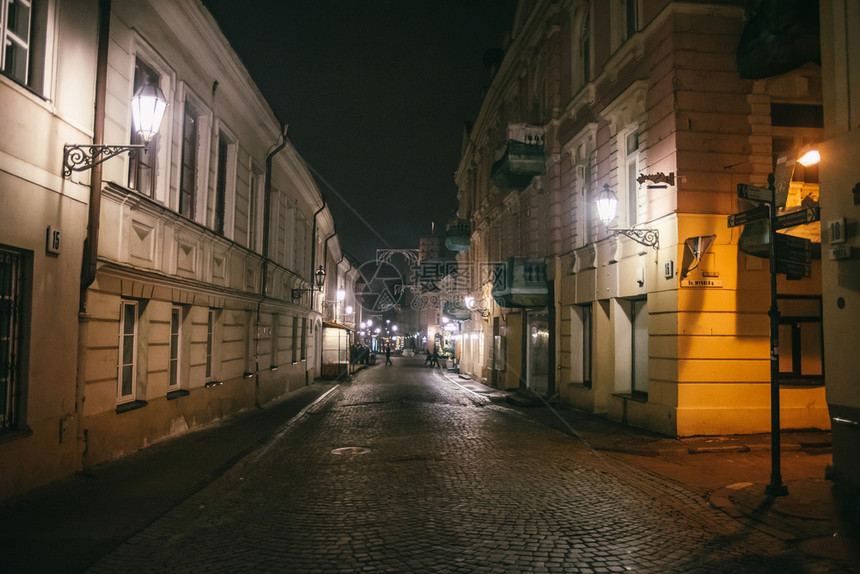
x=376, y=93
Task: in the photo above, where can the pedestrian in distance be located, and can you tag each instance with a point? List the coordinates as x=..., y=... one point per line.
x=387, y=355
x=429, y=359
x=434, y=362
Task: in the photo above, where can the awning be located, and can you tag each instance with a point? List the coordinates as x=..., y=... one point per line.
x=331, y=325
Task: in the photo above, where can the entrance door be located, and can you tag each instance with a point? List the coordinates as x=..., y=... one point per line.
x=537, y=351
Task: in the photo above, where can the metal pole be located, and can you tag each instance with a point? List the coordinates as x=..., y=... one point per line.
x=775, y=487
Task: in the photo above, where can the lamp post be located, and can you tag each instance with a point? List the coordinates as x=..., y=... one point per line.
x=319, y=281
x=147, y=111
x=607, y=207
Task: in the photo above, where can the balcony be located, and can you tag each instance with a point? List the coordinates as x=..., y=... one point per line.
x=521, y=157
x=458, y=235
x=520, y=282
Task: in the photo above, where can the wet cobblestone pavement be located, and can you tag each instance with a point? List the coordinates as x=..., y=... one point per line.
x=404, y=470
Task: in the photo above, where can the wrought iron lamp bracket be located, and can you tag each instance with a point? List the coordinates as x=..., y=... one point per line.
x=84, y=157
x=297, y=293
x=647, y=237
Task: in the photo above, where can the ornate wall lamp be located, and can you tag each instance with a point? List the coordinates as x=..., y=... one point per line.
x=147, y=111
x=471, y=305
x=607, y=206
x=319, y=281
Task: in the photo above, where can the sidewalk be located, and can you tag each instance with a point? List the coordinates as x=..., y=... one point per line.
x=807, y=516
x=65, y=526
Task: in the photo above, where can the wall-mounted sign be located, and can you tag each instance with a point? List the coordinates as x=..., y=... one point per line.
x=702, y=283
x=52, y=244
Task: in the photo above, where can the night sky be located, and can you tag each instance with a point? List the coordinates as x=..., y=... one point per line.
x=376, y=94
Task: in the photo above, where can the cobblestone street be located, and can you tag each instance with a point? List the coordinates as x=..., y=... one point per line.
x=402, y=469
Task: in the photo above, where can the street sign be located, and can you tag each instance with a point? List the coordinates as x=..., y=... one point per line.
x=795, y=218
x=793, y=270
x=754, y=193
x=793, y=256
x=793, y=249
x=748, y=216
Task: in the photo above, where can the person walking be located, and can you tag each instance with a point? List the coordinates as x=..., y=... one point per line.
x=429, y=359
x=434, y=361
x=387, y=355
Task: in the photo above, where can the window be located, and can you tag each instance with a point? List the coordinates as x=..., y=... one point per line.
x=581, y=49
x=11, y=317
x=581, y=344
x=15, y=16
x=585, y=49
x=127, y=352
x=639, y=346
x=276, y=323
x=631, y=173
x=221, y=186
x=210, y=344
x=630, y=322
x=188, y=177
x=142, y=169
x=304, y=338
x=24, y=41
x=175, y=343
x=295, y=340
x=625, y=21
x=254, y=211
x=800, y=339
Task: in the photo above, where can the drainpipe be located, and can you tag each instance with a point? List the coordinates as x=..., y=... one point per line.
x=267, y=210
x=91, y=243
x=314, y=245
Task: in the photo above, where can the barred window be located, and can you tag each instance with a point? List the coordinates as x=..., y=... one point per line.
x=11, y=317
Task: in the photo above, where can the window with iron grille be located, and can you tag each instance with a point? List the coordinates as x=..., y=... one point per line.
x=11, y=315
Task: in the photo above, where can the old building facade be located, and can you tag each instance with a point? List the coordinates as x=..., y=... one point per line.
x=157, y=291
x=840, y=212
x=659, y=320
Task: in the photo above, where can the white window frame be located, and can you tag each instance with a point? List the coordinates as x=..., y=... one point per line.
x=626, y=115
x=174, y=364
x=274, y=342
x=582, y=344
x=256, y=192
x=629, y=159
x=212, y=345
x=620, y=31
x=204, y=145
x=581, y=151
x=141, y=50
x=8, y=37
x=581, y=61
x=631, y=346
x=221, y=132
x=121, y=396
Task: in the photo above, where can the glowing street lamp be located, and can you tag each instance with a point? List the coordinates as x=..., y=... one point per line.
x=607, y=208
x=147, y=111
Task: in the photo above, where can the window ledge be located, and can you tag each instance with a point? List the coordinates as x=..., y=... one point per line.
x=211, y=384
x=639, y=397
x=132, y=406
x=177, y=393
x=800, y=380
x=15, y=434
